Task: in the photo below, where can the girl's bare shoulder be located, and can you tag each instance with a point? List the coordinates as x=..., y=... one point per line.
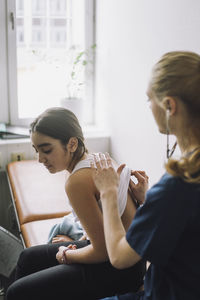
x=81, y=179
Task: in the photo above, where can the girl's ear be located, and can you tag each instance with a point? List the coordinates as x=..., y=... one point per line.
x=170, y=103
x=72, y=145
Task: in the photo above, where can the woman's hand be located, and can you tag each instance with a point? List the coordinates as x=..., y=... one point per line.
x=140, y=188
x=104, y=175
x=61, y=252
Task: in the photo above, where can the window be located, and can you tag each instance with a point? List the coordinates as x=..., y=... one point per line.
x=44, y=38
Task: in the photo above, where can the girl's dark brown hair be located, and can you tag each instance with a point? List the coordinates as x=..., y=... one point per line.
x=61, y=124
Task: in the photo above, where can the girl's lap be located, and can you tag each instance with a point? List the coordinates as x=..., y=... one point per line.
x=129, y=296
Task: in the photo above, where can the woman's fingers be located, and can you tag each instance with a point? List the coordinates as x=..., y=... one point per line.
x=119, y=170
x=140, y=175
x=108, y=160
x=102, y=161
x=131, y=184
x=143, y=174
x=92, y=165
x=97, y=161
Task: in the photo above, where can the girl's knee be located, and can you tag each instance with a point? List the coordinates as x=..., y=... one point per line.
x=30, y=255
x=24, y=257
x=16, y=291
x=10, y=294
x=24, y=263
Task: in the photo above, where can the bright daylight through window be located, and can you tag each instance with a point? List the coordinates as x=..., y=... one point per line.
x=54, y=56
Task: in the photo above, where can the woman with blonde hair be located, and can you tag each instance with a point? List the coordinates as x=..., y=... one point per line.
x=166, y=229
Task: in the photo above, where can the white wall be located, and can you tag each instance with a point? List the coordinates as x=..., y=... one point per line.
x=131, y=37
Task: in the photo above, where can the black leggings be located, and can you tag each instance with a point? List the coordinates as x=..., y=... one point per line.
x=39, y=276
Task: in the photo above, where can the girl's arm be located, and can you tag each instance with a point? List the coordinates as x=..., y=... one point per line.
x=107, y=180
x=82, y=193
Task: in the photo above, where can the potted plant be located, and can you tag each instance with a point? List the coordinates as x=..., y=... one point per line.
x=80, y=63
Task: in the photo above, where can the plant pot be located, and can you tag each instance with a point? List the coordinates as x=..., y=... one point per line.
x=75, y=105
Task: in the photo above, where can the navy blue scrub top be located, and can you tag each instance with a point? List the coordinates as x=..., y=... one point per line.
x=166, y=232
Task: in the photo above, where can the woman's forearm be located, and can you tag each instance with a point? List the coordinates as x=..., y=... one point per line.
x=120, y=253
x=113, y=228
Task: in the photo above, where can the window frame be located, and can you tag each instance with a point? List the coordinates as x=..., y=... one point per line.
x=8, y=61
x=4, y=111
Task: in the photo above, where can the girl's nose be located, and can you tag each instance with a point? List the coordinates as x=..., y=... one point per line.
x=41, y=158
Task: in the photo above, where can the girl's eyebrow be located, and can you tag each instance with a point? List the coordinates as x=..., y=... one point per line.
x=43, y=145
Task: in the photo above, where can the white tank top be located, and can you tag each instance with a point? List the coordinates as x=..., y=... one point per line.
x=123, y=184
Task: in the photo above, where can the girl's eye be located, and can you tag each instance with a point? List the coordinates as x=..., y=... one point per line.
x=47, y=151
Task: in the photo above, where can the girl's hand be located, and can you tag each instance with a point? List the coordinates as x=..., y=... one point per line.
x=60, y=254
x=61, y=238
x=140, y=188
x=83, y=238
x=104, y=175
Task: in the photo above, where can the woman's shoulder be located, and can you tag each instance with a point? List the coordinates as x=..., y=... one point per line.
x=170, y=182
x=170, y=188
x=167, y=183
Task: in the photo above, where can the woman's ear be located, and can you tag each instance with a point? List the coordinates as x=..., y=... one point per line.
x=170, y=104
x=72, y=145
